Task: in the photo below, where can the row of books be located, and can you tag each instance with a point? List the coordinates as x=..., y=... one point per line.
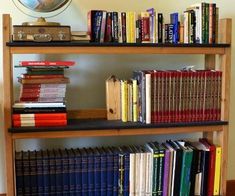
x=170, y=168
x=199, y=24
x=158, y=96
x=42, y=94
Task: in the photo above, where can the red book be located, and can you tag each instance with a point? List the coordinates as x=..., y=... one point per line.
x=39, y=123
x=145, y=24
x=43, y=86
x=27, y=76
x=46, y=63
x=64, y=80
x=211, y=172
x=40, y=116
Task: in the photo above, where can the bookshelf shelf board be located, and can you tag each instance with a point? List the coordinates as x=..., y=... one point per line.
x=114, y=48
x=92, y=128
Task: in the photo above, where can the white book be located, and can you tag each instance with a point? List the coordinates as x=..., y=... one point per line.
x=186, y=29
x=137, y=172
x=148, y=170
x=120, y=38
x=132, y=175
x=38, y=105
x=142, y=172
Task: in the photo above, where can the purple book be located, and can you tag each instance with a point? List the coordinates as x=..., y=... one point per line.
x=166, y=172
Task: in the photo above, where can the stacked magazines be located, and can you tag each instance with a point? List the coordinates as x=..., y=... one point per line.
x=42, y=94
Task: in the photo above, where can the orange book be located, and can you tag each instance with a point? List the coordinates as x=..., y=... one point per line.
x=41, y=116
x=39, y=123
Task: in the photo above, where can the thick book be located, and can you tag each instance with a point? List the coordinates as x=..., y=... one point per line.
x=39, y=123
x=26, y=173
x=33, y=172
x=19, y=173
x=38, y=110
x=78, y=171
x=43, y=80
x=90, y=170
x=103, y=172
x=29, y=76
x=110, y=170
x=218, y=157
x=84, y=171
x=65, y=172
x=38, y=117
x=58, y=172
x=46, y=63
x=97, y=171
x=39, y=162
x=71, y=172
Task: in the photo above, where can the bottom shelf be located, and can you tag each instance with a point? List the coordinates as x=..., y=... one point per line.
x=98, y=127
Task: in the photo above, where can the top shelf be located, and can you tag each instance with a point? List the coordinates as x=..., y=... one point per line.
x=113, y=48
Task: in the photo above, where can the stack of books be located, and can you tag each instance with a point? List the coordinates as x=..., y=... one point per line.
x=42, y=94
x=169, y=168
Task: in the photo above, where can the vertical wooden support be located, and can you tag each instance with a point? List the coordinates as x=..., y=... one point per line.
x=225, y=66
x=210, y=63
x=7, y=99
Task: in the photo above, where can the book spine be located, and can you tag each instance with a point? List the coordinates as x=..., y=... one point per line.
x=19, y=174
x=22, y=117
x=166, y=173
x=97, y=174
x=58, y=173
x=84, y=172
x=110, y=173
x=115, y=27
x=126, y=174
x=39, y=123
x=145, y=27
x=160, y=28
x=78, y=174
x=71, y=172
x=33, y=172
x=115, y=174
x=46, y=173
x=218, y=155
x=123, y=22
x=120, y=174
x=90, y=170
x=103, y=25
x=39, y=162
x=52, y=173
x=108, y=31
x=46, y=63
x=124, y=101
x=103, y=174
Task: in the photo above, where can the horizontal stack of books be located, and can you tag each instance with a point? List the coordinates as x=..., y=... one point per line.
x=42, y=94
x=171, y=168
x=170, y=96
x=199, y=25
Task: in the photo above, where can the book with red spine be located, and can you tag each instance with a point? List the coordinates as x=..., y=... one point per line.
x=40, y=116
x=63, y=80
x=39, y=123
x=42, y=86
x=145, y=27
x=42, y=99
x=46, y=63
x=211, y=172
x=40, y=76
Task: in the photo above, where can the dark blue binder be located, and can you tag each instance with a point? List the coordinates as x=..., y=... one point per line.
x=97, y=171
x=46, y=173
x=90, y=169
x=65, y=172
x=84, y=172
x=19, y=173
x=71, y=171
x=78, y=171
x=33, y=172
x=58, y=173
x=26, y=173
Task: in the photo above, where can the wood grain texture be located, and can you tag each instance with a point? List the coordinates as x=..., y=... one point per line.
x=116, y=50
x=7, y=99
x=115, y=132
x=87, y=114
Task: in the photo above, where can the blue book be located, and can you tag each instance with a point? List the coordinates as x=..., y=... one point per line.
x=97, y=25
x=19, y=173
x=52, y=172
x=58, y=173
x=175, y=21
x=103, y=172
x=71, y=171
x=110, y=171
x=78, y=171
x=84, y=172
x=26, y=173
x=46, y=174
x=115, y=171
x=91, y=180
x=39, y=161
x=65, y=172
x=33, y=172
x=97, y=171
x=126, y=162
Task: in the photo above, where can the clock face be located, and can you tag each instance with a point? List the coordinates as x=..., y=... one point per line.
x=43, y=5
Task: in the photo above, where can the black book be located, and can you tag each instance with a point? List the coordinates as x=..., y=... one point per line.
x=160, y=27
x=78, y=171
x=26, y=173
x=178, y=166
x=33, y=172
x=58, y=172
x=52, y=174
x=19, y=173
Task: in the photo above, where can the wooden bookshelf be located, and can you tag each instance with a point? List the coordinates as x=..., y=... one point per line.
x=216, y=132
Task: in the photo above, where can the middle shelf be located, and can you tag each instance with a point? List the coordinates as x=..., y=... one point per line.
x=103, y=127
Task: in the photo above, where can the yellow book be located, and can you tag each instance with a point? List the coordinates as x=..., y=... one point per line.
x=124, y=97
x=132, y=23
x=135, y=100
x=217, y=170
x=128, y=30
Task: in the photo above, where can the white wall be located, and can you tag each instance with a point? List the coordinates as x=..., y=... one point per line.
x=87, y=78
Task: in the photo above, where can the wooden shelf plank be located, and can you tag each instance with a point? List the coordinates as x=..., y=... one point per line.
x=114, y=48
x=93, y=128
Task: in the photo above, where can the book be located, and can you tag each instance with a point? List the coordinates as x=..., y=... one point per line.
x=58, y=171
x=47, y=63
x=64, y=80
x=19, y=173
x=40, y=170
x=39, y=123
x=218, y=157
x=36, y=117
x=52, y=172
x=33, y=172
x=78, y=171
x=38, y=105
